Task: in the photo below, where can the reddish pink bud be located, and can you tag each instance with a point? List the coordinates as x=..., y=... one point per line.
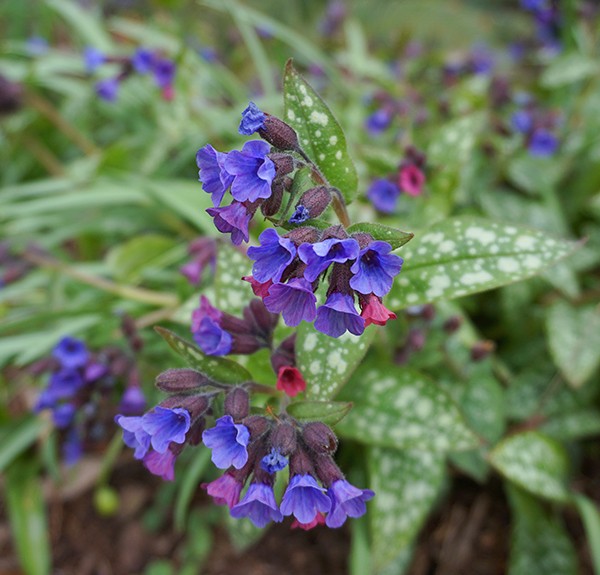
x=411, y=180
x=373, y=310
x=290, y=381
x=168, y=93
x=260, y=290
x=318, y=520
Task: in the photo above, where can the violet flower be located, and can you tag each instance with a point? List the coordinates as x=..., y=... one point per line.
x=253, y=171
x=295, y=301
x=225, y=490
x=215, y=179
x=304, y=498
x=337, y=315
x=375, y=268
x=228, y=441
x=253, y=119
x=346, y=501
x=233, y=219
x=384, y=195
x=258, y=505
x=165, y=425
x=272, y=257
x=319, y=256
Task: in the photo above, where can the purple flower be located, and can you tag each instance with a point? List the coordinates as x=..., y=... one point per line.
x=134, y=435
x=272, y=257
x=482, y=60
x=165, y=425
x=295, y=300
x=542, y=143
x=304, y=498
x=274, y=461
x=207, y=331
x=92, y=59
x=379, y=121
x=337, y=315
x=215, y=180
x=346, y=501
x=253, y=119
x=72, y=447
x=161, y=464
x=258, y=505
x=521, y=121
x=300, y=215
x=228, y=441
x=232, y=219
x=94, y=371
x=375, y=268
x=384, y=195
x=164, y=72
x=142, y=60
x=108, y=89
x=133, y=401
x=46, y=400
x=534, y=5
x=65, y=383
x=63, y=415
x=253, y=171
x=320, y=255
x=225, y=490
x=71, y=353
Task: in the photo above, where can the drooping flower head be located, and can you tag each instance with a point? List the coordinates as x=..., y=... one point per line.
x=228, y=441
x=319, y=256
x=233, y=219
x=134, y=435
x=215, y=179
x=375, y=268
x=164, y=72
x=93, y=59
x=542, y=143
x=338, y=315
x=143, y=60
x=165, y=425
x=252, y=170
x=346, y=501
x=253, y=119
x=161, y=464
x=373, y=310
x=258, y=505
x=411, y=180
x=225, y=490
x=304, y=498
x=108, y=89
x=272, y=257
x=207, y=331
x=522, y=121
x=71, y=353
x=384, y=195
x=295, y=300
x=290, y=381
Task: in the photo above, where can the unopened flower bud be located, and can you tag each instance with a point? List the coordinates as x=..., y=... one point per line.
x=272, y=204
x=284, y=163
x=196, y=405
x=363, y=239
x=320, y=438
x=303, y=235
x=482, y=349
x=257, y=426
x=11, y=96
x=312, y=204
x=452, y=324
x=338, y=232
x=283, y=438
x=261, y=320
x=285, y=354
x=279, y=134
x=194, y=435
x=182, y=380
x=237, y=403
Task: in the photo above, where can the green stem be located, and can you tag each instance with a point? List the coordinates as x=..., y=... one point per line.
x=110, y=457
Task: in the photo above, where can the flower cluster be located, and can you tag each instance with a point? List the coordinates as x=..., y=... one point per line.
x=80, y=389
x=387, y=108
x=253, y=448
x=143, y=61
x=410, y=179
x=548, y=21
x=537, y=127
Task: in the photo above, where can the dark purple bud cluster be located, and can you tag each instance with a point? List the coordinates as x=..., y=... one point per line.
x=143, y=61
x=80, y=393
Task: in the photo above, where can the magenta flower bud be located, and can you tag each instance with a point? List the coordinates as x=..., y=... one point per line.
x=182, y=380
x=237, y=403
x=320, y=438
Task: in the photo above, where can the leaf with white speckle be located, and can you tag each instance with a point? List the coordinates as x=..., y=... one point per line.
x=453, y=145
x=319, y=133
x=534, y=462
x=218, y=369
x=574, y=340
x=467, y=255
x=392, y=236
x=326, y=362
x=401, y=408
x=232, y=293
x=577, y=424
x=540, y=543
x=406, y=485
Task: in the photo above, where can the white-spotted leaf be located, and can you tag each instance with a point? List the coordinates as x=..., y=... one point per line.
x=218, y=369
x=574, y=340
x=584, y=422
x=534, y=462
x=326, y=362
x=406, y=485
x=453, y=145
x=319, y=133
x=232, y=293
x=466, y=255
x=401, y=408
x=540, y=543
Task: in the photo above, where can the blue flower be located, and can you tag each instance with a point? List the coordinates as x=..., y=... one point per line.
x=346, y=501
x=108, y=89
x=72, y=448
x=233, y=219
x=134, y=435
x=272, y=257
x=161, y=464
x=228, y=441
x=133, y=400
x=274, y=461
x=258, y=505
x=320, y=255
x=212, y=338
x=384, y=195
x=63, y=415
x=253, y=171
x=378, y=121
x=142, y=60
x=215, y=180
x=542, y=143
x=71, y=353
x=300, y=215
x=304, y=498
x=65, y=383
x=253, y=119
x=295, y=300
x=521, y=121
x=165, y=425
x=93, y=58
x=337, y=315
x=375, y=268
x=164, y=72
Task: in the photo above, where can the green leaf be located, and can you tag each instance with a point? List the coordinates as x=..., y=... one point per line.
x=406, y=485
x=319, y=133
x=218, y=369
x=534, y=462
x=232, y=293
x=453, y=145
x=392, y=236
x=568, y=69
x=584, y=422
x=574, y=340
x=461, y=256
x=405, y=410
x=591, y=521
x=329, y=412
x=326, y=363
x=17, y=436
x=86, y=23
x=27, y=515
x=129, y=260
x=189, y=485
x=540, y=543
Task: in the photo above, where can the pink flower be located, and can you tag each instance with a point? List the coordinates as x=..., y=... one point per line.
x=260, y=290
x=225, y=490
x=411, y=180
x=373, y=310
x=290, y=381
x=318, y=520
